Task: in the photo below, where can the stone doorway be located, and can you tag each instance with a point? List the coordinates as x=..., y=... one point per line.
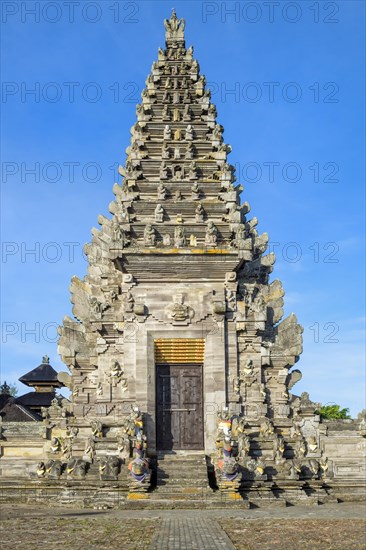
x=179, y=407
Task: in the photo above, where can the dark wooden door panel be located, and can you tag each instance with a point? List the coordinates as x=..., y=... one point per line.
x=191, y=434
x=191, y=399
x=167, y=398
x=179, y=407
x=163, y=406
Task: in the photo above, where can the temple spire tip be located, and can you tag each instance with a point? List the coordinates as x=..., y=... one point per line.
x=174, y=28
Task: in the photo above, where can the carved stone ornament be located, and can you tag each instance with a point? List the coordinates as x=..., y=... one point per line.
x=211, y=234
x=97, y=307
x=149, y=235
x=199, y=213
x=159, y=213
x=179, y=311
x=362, y=423
x=179, y=237
x=219, y=306
x=230, y=276
x=189, y=133
x=174, y=28
x=109, y=468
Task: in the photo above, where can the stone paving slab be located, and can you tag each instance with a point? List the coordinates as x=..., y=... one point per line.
x=190, y=534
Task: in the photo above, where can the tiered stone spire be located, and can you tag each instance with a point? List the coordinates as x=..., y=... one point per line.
x=177, y=187
x=177, y=218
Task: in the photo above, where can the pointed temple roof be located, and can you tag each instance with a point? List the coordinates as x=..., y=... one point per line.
x=178, y=194
x=28, y=406
x=42, y=375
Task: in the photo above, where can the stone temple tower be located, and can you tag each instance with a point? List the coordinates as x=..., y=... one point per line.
x=179, y=360
x=176, y=313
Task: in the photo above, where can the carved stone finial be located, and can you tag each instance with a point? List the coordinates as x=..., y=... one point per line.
x=45, y=360
x=5, y=389
x=174, y=28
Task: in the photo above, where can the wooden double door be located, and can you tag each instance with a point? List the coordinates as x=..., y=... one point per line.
x=179, y=407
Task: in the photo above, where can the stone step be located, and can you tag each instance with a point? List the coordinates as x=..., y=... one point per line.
x=181, y=477
x=178, y=480
x=171, y=504
x=194, y=471
x=184, y=482
x=180, y=496
x=179, y=487
x=180, y=455
x=182, y=473
x=181, y=462
x=195, y=460
x=177, y=470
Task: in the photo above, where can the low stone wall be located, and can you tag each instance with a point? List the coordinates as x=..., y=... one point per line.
x=23, y=445
x=344, y=445
x=81, y=494
x=21, y=448
x=21, y=429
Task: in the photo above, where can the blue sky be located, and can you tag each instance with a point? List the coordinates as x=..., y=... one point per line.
x=295, y=120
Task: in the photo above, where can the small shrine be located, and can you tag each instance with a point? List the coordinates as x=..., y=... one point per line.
x=43, y=379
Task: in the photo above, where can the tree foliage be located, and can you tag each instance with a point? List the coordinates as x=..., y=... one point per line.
x=333, y=412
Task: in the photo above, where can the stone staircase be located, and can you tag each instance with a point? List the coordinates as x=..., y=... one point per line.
x=182, y=482
x=181, y=478
x=177, y=471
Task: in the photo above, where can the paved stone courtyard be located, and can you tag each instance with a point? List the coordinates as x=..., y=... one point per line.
x=327, y=527
x=181, y=532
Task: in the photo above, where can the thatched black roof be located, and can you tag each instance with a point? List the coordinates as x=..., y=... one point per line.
x=36, y=398
x=15, y=412
x=44, y=374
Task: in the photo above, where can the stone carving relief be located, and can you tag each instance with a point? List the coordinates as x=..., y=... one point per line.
x=162, y=192
x=179, y=237
x=149, y=235
x=211, y=234
x=199, y=213
x=98, y=307
x=189, y=133
x=178, y=311
x=117, y=376
x=159, y=213
x=109, y=468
